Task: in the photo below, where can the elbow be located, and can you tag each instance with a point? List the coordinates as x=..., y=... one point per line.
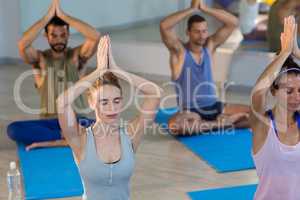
x=158, y=99
x=158, y=91
x=97, y=36
x=155, y=93
x=63, y=102
x=21, y=46
x=158, y=94
x=232, y=22
x=297, y=54
x=257, y=94
x=235, y=23
x=162, y=26
x=60, y=105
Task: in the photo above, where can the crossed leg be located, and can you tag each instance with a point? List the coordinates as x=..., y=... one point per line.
x=234, y=109
x=188, y=123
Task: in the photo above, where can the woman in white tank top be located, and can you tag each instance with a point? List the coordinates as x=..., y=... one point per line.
x=276, y=139
x=104, y=152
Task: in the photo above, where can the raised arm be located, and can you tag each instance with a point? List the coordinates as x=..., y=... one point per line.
x=269, y=75
x=27, y=52
x=168, y=24
x=92, y=36
x=151, y=99
x=287, y=8
x=66, y=115
x=172, y=41
x=230, y=22
x=258, y=120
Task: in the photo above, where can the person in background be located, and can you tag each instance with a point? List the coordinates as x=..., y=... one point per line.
x=54, y=70
x=191, y=71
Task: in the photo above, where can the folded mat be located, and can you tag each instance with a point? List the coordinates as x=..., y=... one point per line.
x=232, y=193
x=224, y=150
x=49, y=173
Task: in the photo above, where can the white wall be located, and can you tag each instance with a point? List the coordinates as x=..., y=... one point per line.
x=246, y=66
x=9, y=28
x=135, y=56
x=100, y=13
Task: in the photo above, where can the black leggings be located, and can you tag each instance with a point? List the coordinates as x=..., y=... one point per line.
x=28, y=132
x=209, y=113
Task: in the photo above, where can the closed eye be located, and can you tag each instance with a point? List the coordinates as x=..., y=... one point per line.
x=289, y=90
x=103, y=102
x=117, y=100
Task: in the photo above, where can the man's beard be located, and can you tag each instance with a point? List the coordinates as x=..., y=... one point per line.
x=58, y=48
x=201, y=42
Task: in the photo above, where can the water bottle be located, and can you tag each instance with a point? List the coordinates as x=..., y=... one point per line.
x=14, y=182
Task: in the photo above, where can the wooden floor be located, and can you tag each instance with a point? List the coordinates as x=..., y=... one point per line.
x=165, y=169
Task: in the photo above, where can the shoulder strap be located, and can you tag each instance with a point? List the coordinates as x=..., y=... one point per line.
x=297, y=118
x=271, y=116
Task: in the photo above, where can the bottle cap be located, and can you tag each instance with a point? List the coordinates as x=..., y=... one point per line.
x=12, y=165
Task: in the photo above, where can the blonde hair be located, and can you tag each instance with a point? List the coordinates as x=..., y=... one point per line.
x=107, y=78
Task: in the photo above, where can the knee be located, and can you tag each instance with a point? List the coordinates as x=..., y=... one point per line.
x=12, y=130
x=183, y=126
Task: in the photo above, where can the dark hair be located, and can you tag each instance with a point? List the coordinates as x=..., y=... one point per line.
x=289, y=67
x=107, y=78
x=56, y=21
x=195, y=19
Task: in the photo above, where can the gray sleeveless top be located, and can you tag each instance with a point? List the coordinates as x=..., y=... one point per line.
x=59, y=75
x=107, y=181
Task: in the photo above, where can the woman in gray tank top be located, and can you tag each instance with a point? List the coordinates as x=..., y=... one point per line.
x=105, y=151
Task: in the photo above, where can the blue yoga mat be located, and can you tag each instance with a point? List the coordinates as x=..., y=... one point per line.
x=233, y=193
x=224, y=150
x=49, y=173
